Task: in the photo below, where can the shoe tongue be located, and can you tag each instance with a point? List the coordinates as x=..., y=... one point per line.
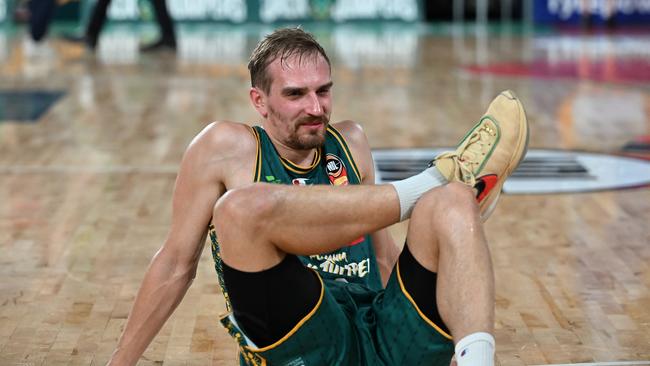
x=447, y=168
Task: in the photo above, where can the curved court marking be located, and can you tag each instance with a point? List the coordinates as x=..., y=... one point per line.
x=541, y=171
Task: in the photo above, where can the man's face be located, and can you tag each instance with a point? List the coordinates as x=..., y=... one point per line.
x=298, y=105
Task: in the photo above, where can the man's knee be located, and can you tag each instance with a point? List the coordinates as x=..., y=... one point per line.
x=243, y=218
x=245, y=207
x=437, y=215
x=453, y=201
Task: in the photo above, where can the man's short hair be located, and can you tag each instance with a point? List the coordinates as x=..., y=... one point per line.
x=283, y=43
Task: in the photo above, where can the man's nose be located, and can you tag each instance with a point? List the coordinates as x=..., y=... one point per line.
x=315, y=107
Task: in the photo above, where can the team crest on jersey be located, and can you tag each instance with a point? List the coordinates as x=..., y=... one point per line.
x=336, y=171
x=300, y=181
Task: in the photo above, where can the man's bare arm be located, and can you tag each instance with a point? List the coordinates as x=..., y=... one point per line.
x=198, y=186
x=386, y=250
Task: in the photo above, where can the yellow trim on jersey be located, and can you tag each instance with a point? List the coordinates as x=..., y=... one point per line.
x=257, y=172
x=298, y=169
x=344, y=145
x=300, y=323
x=408, y=296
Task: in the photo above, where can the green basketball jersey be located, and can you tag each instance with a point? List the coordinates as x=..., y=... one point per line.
x=333, y=164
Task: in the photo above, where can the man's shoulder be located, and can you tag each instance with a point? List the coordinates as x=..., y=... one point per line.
x=352, y=132
x=226, y=137
x=223, y=151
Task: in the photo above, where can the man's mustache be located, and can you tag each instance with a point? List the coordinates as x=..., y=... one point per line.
x=311, y=120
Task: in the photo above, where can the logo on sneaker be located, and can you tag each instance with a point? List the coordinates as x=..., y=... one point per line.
x=484, y=185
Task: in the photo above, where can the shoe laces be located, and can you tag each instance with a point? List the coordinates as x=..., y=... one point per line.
x=471, y=153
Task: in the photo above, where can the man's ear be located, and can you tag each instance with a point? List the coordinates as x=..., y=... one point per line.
x=258, y=98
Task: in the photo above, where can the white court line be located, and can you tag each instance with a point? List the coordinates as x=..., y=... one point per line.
x=616, y=363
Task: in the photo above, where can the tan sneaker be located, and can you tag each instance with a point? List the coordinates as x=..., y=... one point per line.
x=490, y=152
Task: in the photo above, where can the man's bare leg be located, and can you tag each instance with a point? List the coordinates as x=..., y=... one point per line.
x=258, y=224
x=445, y=236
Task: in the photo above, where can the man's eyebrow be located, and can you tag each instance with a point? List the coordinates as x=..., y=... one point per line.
x=326, y=86
x=293, y=89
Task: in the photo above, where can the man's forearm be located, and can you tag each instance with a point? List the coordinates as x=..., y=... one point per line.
x=163, y=288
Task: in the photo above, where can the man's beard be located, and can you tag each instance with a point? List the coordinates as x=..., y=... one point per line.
x=303, y=141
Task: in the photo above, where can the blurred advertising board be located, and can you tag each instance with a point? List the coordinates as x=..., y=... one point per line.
x=577, y=11
x=270, y=11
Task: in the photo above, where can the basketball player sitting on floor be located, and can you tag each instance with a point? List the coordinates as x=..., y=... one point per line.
x=309, y=273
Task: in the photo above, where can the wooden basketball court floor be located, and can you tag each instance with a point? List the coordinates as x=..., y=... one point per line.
x=85, y=188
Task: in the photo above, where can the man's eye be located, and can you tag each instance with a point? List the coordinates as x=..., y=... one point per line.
x=293, y=93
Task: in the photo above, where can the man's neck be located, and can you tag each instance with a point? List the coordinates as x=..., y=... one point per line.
x=302, y=158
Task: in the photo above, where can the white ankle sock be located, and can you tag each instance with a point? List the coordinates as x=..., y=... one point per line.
x=476, y=349
x=409, y=190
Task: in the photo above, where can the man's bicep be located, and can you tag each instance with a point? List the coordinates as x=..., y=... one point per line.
x=196, y=191
x=216, y=160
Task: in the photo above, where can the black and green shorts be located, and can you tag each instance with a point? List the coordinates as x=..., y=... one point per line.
x=354, y=325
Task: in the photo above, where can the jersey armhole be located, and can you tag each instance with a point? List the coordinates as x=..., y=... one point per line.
x=258, y=156
x=341, y=140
